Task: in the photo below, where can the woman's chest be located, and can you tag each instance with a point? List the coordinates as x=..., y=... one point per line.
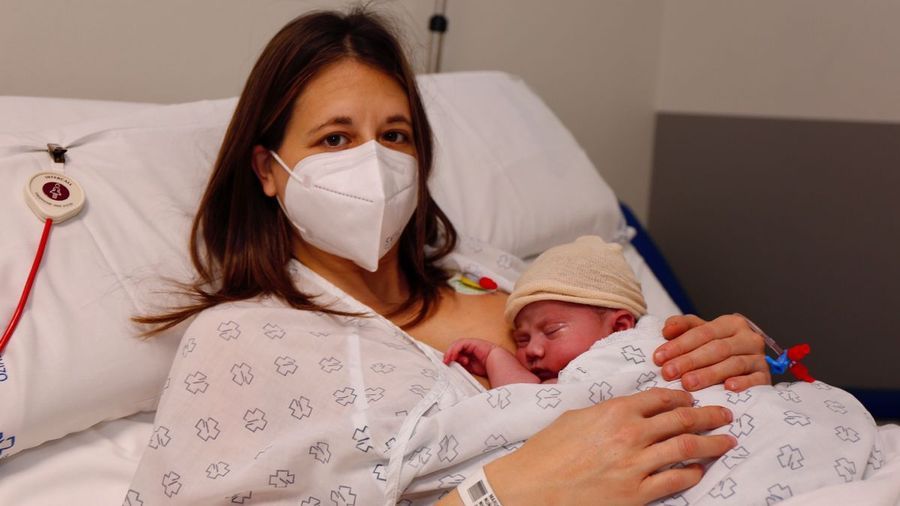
x=465, y=316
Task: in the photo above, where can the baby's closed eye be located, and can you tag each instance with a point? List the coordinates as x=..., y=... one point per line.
x=521, y=338
x=553, y=328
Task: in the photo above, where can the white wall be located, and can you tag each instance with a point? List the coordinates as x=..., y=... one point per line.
x=593, y=61
x=604, y=66
x=822, y=59
x=153, y=51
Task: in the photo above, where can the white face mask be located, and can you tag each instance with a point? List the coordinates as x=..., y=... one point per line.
x=352, y=203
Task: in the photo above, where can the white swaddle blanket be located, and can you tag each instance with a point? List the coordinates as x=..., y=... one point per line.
x=792, y=438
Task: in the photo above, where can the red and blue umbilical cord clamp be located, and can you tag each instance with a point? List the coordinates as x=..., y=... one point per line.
x=787, y=359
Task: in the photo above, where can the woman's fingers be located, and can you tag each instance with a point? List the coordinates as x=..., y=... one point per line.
x=732, y=367
x=657, y=400
x=667, y=412
x=684, y=333
x=741, y=383
x=679, y=449
x=610, y=453
x=686, y=420
x=708, y=353
x=697, y=333
x=679, y=324
x=687, y=447
x=670, y=481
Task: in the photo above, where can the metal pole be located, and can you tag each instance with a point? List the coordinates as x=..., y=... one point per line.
x=437, y=25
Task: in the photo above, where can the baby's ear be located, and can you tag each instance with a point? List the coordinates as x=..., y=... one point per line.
x=622, y=320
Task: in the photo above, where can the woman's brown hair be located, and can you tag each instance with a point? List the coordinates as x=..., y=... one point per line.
x=241, y=240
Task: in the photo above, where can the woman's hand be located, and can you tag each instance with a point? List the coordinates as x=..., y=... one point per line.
x=611, y=453
x=705, y=353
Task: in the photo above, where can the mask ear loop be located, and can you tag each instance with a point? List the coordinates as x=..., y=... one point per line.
x=278, y=199
x=280, y=161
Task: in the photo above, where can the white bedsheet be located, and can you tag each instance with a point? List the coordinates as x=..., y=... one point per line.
x=91, y=467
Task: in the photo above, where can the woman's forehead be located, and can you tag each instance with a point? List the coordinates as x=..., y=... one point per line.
x=350, y=89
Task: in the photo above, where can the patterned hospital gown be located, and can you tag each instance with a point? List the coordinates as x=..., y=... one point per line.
x=265, y=404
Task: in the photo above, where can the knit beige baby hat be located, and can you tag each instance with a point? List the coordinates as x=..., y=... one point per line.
x=587, y=271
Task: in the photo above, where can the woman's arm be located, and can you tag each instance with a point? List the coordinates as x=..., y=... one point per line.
x=610, y=453
x=705, y=353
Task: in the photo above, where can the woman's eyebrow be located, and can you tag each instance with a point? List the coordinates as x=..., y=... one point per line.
x=346, y=120
x=337, y=120
x=399, y=118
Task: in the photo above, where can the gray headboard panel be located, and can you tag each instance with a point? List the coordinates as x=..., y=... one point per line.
x=795, y=223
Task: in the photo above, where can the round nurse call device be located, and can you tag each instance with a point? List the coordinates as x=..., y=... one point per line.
x=54, y=195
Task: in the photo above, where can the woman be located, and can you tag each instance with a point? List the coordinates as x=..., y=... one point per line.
x=322, y=311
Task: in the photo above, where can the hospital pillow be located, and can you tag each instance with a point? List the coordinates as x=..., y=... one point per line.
x=506, y=169
x=23, y=114
x=75, y=358
x=506, y=172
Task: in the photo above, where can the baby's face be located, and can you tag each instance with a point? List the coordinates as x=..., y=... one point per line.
x=549, y=334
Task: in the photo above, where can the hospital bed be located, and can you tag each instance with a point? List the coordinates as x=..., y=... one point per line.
x=79, y=386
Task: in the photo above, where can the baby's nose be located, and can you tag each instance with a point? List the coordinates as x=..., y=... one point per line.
x=535, y=347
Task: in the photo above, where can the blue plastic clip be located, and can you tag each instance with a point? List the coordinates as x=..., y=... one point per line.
x=779, y=365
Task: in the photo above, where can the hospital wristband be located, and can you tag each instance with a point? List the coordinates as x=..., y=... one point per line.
x=476, y=491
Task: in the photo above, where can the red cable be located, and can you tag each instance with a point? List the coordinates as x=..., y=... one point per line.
x=34, y=268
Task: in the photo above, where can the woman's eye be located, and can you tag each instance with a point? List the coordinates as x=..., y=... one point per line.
x=396, y=137
x=335, y=140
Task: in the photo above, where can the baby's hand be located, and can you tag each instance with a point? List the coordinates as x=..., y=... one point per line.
x=471, y=354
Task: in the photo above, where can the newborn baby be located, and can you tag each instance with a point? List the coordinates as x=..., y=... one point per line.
x=571, y=297
x=579, y=316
